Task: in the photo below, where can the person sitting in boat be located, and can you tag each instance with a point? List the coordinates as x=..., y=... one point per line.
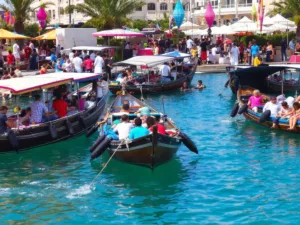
x=4, y=123
x=152, y=122
x=284, y=112
x=255, y=101
x=272, y=106
x=5, y=75
x=165, y=72
x=200, y=85
x=18, y=72
x=61, y=107
x=185, y=87
x=38, y=109
x=139, y=130
x=124, y=127
x=125, y=108
x=295, y=116
x=24, y=118
x=144, y=114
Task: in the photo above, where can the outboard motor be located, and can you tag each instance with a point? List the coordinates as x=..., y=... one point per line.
x=234, y=110
x=243, y=109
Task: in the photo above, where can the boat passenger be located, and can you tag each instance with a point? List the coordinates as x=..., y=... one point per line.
x=295, y=116
x=43, y=69
x=38, y=108
x=124, y=127
x=60, y=106
x=100, y=88
x=255, y=101
x=165, y=72
x=125, y=108
x=18, y=72
x=160, y=128
x=284, y=112
x=4, y=124
x=5, y=75
x=272, y=106
x=200, y=85
x=24, y=118
x=139, y=130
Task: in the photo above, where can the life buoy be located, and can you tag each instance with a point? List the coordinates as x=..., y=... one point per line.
x=82, y=121
x=234, y=110
x=70, y=127
x=13, y=140
x=100, y=148
x=188, y=143
x=52, y=131
x=243, y=109
x=91, y=130
x=265, y=116
x=97, y=142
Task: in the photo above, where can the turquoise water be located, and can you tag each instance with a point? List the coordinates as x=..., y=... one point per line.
x=244, y=174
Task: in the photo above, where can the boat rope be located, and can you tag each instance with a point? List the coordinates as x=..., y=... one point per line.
x=93, y=181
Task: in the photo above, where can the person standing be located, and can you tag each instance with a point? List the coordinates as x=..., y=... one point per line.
x=254, y=50
x=16, y=53
x=241, y=50
x=71, y=55
x=203, y=46
x=33, y=64
x=283, y=50
x=189, y=44
x=292, y=47
x=234, y=55
x=77, y=63
x=98, y=64
x=31, y=45
x=88, y=64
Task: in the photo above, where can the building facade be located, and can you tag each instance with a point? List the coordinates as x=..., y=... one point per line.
x=227, y=11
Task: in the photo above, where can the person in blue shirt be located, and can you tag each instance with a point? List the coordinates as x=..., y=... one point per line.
x=139, y=130
x=254, y=50
x=53, y=58
x=57, y=66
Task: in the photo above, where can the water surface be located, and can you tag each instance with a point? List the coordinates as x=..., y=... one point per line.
x=244, y=174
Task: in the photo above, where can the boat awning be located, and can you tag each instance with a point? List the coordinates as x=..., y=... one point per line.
x=32, y=83
x=177, y=54
x=255, y=76
x=288, y=66
x=149, y=61
x=93, y=48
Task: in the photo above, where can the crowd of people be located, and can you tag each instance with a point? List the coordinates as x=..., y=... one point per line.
x=279, y=107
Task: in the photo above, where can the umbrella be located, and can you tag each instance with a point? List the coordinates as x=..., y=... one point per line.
x=51, y=35
x=5, y=34
x=117, y=33
x=187, y=26
x=228, y=41
x=279, y=19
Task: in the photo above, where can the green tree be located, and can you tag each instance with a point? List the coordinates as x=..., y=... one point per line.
x=31, y=30
x=164, y=23
x=140, y=24
x=21, y=9
x=106, y=14
x=289, y=9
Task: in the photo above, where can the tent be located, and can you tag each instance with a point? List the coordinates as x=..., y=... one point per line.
x=5, y=34
x=279, y=19
x=245, y=19
x=117, y=33
x=51, y=35
x=188, y=26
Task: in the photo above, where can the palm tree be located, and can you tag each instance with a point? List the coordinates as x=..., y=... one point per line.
x=106, y=14
x=290, y=9
x=21, y=9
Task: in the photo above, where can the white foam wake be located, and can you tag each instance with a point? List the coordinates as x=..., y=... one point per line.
x=83, y=190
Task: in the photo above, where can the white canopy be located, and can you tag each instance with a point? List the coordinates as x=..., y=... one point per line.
x=93, y=48
x=194, y=32
x=279, y=19
x=227, y=30
x=31, y=83
x=149, y=61
x=246, y=27
x=187, y=26
x=245, y=19
x=117, y=33
x=280, y=27
x=267, y=21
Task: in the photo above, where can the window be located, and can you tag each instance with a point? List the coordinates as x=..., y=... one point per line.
x=53, y=14
x=163, y=6
x=138, y=9
x=214, y=3
x=151, y=6
x=49, y=14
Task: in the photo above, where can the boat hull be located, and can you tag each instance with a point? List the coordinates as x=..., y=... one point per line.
x=156, y=88
x=33, y=137
x=277, y=87
x=142, y=152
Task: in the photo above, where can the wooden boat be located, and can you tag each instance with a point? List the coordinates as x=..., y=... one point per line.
x=151, y=150
x=255, y=77
x=27, y=137
x=184, y=73
x=263, y=119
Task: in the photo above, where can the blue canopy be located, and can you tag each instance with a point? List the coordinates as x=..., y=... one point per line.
x=177, y=54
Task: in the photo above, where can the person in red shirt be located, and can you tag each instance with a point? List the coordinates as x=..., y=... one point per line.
x=88, y=64
x=10, y=60
x=27, y=51
x=60, y=106
x=150, y=121
x=242, y=50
